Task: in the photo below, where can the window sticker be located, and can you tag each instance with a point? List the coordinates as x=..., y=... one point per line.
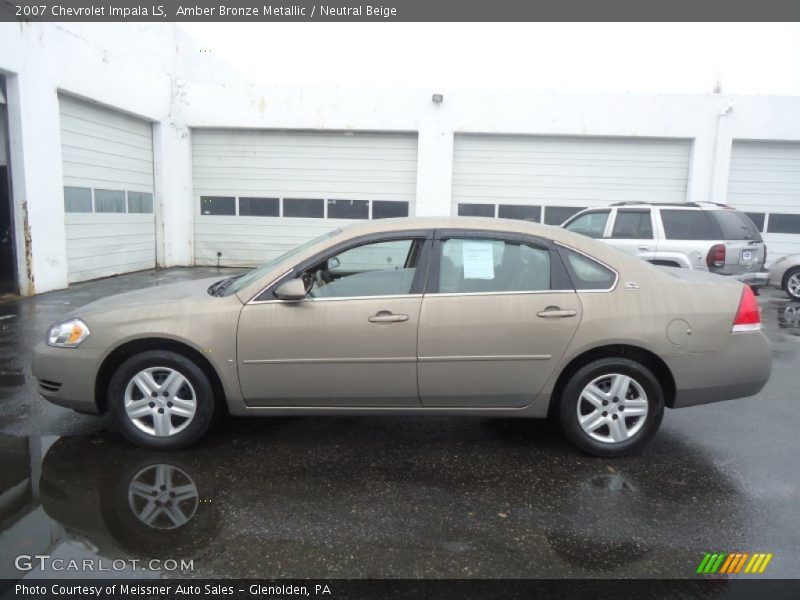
x=478, y=260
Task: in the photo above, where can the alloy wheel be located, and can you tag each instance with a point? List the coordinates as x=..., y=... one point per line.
x=163, y=497
x=612, y=408
x=793, y=285
x=160, y=401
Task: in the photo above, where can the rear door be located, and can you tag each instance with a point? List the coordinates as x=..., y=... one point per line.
x=498, y=314
x=632, y=232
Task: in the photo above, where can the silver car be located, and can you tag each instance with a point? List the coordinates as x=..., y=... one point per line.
x=696, y=235
x=446, y=316
x=785, y=274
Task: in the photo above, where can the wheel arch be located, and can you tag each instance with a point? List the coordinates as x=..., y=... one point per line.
x=629, y=351
x=130, y=348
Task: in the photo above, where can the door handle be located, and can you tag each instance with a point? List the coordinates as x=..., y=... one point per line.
x=384, y=316
x=644, y=247
x=554, y=312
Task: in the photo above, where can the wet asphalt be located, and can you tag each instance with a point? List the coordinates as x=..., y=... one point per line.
x=398, y=497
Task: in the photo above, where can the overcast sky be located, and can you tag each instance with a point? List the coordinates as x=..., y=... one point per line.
x=636, y=57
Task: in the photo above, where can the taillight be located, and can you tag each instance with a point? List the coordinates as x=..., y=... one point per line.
x=748, y=317
x=716, y=256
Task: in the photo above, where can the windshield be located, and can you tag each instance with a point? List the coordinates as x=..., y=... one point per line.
x=251, y=276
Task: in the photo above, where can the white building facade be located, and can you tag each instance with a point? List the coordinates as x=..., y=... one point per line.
x=126, y=148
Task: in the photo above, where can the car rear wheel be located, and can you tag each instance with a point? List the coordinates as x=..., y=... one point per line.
x=611, y=407
x=161, y=400
x=791, y=283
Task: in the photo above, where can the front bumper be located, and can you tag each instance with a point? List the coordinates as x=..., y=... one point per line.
x=66, y=376
x=740, y=369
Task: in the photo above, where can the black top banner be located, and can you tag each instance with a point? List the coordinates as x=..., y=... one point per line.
x=399, y=10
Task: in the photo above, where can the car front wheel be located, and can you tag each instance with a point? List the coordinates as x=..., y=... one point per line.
x=161, y=400
x=791, y=283
x=611, y=407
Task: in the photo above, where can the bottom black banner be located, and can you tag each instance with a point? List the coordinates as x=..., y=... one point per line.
x=439, y=589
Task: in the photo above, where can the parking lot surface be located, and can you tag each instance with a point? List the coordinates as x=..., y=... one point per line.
x=396, y=497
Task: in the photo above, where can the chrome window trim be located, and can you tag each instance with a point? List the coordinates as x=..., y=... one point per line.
x=599, y=262
x=338, y=299
x=514, y=293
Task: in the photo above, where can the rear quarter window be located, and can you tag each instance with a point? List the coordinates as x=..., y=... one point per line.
x=680, y=224
x=735, y=225
x=586, y=273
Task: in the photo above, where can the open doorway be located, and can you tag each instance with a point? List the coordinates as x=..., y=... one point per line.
x=8, y=271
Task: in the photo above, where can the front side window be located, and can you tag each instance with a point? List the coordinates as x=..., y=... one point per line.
x=486, y=265
x=633, y=225
x=384, y=268
x=591, y=224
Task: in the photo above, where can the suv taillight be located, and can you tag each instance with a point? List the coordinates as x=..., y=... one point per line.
x=716, y=256
x=748, y=317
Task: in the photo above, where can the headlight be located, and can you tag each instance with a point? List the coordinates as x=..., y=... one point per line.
x=68, y=334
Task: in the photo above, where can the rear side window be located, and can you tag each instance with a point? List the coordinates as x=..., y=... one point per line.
x=586, y=273
x=591, y=224
x=689, y=225
x=633, y=225
x=735, y=225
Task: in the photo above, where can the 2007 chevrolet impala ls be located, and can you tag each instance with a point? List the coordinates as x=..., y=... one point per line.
x=461, y=316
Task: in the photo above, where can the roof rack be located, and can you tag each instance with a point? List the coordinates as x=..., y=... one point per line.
x=692, y=204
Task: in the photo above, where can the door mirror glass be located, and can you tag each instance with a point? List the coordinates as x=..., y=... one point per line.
x=292, y=290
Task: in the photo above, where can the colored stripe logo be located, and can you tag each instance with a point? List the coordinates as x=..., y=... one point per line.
x=733, y=563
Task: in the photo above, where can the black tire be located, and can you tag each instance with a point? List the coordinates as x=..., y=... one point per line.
x=206, y=406
x=568, y=406
x=789, y=273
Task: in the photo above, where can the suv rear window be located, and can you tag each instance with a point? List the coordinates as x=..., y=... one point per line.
x=682, y=224
x=736, y=225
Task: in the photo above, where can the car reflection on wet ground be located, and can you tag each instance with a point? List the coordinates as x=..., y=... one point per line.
x=397, y=497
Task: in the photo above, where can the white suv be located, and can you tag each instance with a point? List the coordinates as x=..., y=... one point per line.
x=693, y=235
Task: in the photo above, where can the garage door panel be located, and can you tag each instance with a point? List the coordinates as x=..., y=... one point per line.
x=289, y=165
x=764, y=177
x=567, y=171
x=104, y=149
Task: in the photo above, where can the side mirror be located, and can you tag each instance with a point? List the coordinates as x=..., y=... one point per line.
x=292, y=290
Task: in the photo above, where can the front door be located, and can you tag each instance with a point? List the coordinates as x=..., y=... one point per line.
x=498, y=316
x=351, y=342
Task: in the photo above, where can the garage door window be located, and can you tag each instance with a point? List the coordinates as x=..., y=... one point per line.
x=379, y=269
x=109, y=201
x=308, y=208
x=140, y=202
x=77, y=200
x=348, y=209
x=476, y=210
x=556, y=215
x=519, y=211
x=783, y=223
x=490, y=266
x=259, y=207
x=388, y=209
x=217, y=205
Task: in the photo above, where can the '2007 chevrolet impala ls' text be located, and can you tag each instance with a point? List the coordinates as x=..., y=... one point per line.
x=460, y=316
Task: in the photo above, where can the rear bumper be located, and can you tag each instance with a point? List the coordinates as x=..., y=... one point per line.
x=741, y=369
x=754, y=278
x=66, y=376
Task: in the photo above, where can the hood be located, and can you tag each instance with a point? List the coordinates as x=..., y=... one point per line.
x=156, y=295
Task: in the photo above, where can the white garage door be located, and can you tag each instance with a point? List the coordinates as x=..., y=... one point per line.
x=108, y=191
x=550, y=178
x=258, y=193
x=764, y=181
